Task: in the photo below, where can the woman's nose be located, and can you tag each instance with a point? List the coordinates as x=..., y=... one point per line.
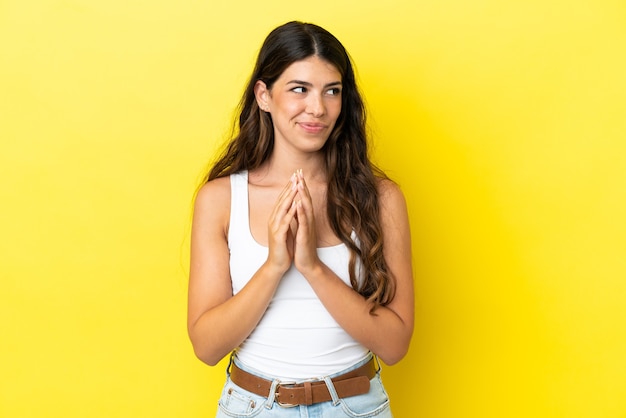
x=315, y=106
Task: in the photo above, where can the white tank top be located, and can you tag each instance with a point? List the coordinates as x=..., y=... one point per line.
x=297, y=338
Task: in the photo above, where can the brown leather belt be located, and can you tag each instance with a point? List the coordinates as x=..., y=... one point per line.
x=355, y=382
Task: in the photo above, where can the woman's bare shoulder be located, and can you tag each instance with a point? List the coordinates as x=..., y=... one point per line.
x=389, y=192
x=215, y=190
x=212, y=202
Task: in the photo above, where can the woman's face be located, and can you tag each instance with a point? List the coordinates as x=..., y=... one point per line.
x=304, y=102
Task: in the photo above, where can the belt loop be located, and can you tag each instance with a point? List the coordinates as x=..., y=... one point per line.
x=379, y=366
x=331, y=390
x=308, y=393
x=230, y=363
x=271, y=398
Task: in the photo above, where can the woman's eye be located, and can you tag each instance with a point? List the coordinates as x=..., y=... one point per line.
x=334, y=91
x=299, y=89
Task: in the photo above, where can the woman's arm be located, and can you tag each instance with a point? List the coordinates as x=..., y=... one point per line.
x=217, y=321
x=387, y=331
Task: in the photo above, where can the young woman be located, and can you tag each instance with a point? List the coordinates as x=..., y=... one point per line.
x=300, y=251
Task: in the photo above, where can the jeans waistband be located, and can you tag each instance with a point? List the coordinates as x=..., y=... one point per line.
x=350, y=382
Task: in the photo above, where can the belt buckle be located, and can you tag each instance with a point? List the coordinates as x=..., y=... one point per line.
x=284, y=404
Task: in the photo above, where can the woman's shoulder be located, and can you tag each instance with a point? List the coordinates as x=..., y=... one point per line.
x=389, y=193
x=386, y=187
x=213, y=199
x=215, y=190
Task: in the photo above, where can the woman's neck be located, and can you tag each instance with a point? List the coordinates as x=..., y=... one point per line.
x=279, y=167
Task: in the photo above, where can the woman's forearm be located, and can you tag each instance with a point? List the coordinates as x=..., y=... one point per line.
x=384, y=331
x=219, y=330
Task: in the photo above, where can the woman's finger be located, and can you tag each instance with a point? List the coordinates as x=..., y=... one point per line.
x=285, y=198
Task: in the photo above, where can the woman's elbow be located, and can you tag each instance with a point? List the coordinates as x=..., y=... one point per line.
x=205, y=356
x=205, y=351
x=393, y=356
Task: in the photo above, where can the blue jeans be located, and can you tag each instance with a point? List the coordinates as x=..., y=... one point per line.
x=236, y=402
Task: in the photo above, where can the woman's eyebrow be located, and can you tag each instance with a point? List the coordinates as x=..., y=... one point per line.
x=306, y=83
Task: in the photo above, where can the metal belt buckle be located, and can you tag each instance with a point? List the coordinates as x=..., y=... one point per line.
x=283, y=404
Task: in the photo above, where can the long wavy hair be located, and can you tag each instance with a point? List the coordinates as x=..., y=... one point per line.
x=352, y=193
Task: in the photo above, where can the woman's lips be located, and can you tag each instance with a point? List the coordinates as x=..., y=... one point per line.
x=312, y=127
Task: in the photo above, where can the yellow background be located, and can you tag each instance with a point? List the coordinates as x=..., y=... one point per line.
x=504, y=122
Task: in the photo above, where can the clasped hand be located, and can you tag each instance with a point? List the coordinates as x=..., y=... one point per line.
x=291, y=228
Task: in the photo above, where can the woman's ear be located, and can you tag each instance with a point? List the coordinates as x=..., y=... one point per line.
x=262, y=95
